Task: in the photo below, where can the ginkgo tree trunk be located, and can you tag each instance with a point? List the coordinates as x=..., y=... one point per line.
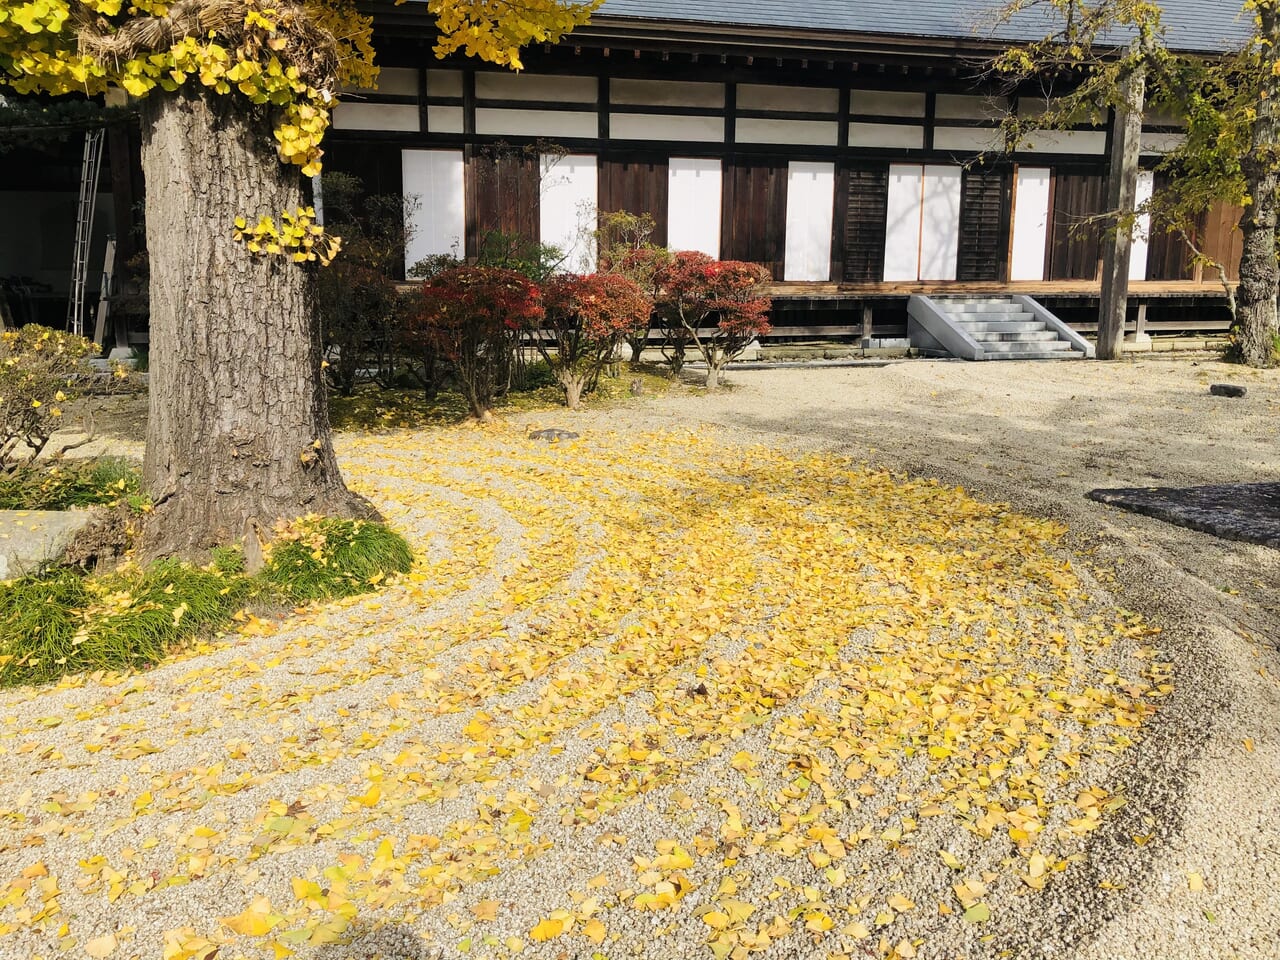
x=236, y=98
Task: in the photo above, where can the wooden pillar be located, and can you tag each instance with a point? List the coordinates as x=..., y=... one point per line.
x=120, y=162
x=866, y=325
x=1122, y=191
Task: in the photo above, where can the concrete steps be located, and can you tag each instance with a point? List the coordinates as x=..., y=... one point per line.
x=991, y=328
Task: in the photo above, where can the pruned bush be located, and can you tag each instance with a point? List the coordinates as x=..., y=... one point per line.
x=588, y=317
x=39, y=372
x=719, y=306
x=626, y=248
x=322, y=557
x=472, y=317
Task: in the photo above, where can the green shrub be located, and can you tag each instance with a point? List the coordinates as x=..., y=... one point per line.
x=329, y=557
x=39, y=619
x=64, y=623
x=107, y=482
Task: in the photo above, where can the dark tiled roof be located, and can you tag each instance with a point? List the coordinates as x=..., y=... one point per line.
x=1191, y=24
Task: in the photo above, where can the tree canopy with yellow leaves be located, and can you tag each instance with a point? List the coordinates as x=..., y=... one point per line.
x=238, y=432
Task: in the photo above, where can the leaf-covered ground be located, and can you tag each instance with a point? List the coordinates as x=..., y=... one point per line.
x=654, y=695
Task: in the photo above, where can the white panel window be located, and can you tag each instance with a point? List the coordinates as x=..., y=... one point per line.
x=434, y=179
x=527, y=86
x=1030, y=223
x=653, y=126
x=666, y=93
x=1142, y=228
x=402, y=117
x=902, y=227
x=810, y=205
x=693, y=204
x=886, y=103
x=568, y=198
x=536, y=123
x=761, y=96
x=940, y=223
x=895, y=135
x=812, y=132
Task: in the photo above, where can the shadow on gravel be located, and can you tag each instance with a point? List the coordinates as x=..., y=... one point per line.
x=1249, y=512
x=390, y=942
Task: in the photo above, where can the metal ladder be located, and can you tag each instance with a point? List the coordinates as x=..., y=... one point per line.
x=86, y=208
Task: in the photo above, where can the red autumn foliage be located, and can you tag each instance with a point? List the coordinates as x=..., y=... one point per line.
x=718, y=305
x=472, y=318
x=588, y=317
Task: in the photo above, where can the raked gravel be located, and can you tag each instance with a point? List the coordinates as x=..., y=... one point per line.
x=1203, y=783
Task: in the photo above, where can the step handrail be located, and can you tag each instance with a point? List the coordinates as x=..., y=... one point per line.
x=1031, y=306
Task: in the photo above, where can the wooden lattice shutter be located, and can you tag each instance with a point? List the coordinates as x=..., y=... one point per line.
x=864, y=226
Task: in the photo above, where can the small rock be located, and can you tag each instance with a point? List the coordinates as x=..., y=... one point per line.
x=637, y=387
x=1227, y=390
x=552, y=435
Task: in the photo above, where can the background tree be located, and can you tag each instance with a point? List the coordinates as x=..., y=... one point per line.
x=1231, y=153
x=720, y=305
x=236, y=97
x=589, y=316
x=627, y=249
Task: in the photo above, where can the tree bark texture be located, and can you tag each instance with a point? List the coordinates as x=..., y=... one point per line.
x=1256, y=321
x=1122, y=195
x=238, y=425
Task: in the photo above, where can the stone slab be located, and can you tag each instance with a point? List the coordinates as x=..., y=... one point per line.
x=29, y=538
x=1249, y=512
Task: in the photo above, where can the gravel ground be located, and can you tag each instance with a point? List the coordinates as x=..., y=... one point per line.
x=637, y=665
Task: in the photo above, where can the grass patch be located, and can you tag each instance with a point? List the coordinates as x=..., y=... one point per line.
x=374, y=409
x=329, y=557
x=107, y=482
x=63, y=622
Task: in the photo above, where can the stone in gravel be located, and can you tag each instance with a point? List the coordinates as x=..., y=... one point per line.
x=1227, y=390
x=31, y=538
x=1234, y=511
x=552, y=435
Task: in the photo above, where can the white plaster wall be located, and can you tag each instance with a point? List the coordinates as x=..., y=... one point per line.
x=810, y=132
x=655, y=126
x=665, y=93
x=401, y=117
x=536, y=123
x=896, y=135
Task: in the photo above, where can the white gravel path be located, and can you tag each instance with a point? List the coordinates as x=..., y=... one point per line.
x=440, y=731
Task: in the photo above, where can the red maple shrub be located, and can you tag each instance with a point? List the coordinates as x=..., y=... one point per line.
x=472, y=317
x=719, y=306
x=588, y=317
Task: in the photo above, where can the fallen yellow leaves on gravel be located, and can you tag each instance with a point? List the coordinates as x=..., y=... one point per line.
x=844, y=704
